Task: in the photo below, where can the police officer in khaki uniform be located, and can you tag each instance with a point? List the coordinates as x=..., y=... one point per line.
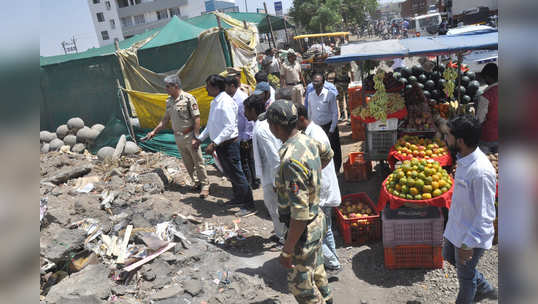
x=182, y=110
x=298, y=188
x=291, y=76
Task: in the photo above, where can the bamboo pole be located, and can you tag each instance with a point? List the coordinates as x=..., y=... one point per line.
x=269, y=22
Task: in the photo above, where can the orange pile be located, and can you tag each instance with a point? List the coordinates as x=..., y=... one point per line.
x=413, y=146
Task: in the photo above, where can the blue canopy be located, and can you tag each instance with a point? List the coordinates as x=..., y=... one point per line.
x=419, y=46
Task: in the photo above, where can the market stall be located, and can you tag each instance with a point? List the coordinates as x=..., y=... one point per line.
x=405, y=113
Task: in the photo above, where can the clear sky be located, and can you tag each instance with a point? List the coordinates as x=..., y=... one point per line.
x=60, y=20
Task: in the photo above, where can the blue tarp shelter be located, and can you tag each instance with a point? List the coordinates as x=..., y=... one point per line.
x=419, y=46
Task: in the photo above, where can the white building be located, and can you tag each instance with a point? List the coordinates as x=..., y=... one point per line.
x=122, y=19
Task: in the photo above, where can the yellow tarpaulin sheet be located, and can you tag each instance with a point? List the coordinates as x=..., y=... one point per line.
x=150, y=107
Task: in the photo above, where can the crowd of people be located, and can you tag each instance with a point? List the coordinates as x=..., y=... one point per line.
x=286, y=140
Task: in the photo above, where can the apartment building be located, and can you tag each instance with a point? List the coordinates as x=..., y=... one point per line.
x=122, y=19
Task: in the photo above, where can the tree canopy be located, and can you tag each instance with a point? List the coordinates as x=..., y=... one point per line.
x=331, y=15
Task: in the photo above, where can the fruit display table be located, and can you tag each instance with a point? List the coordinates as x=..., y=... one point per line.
x=409, y=147
x=395, y=202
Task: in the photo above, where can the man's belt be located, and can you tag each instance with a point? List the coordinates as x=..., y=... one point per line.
x=187, y=130
x=247, y=144
x=229, y=141
x=293, y=83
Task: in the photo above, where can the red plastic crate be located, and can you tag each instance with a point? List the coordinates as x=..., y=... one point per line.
x=414, y=256
x=408, y=226
x=368, y=228
x=357, y=168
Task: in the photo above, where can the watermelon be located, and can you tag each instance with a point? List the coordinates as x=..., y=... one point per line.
x=412, y=79
x=435, y=76
x=461, y=89
x=430, y=84
x=406, y=72
x=465, y=81
x=396, y=75
x=427, y=94
x=435, y=93
x=441, y=83
x=466, y=99
x=420, y=85
x=434, y=101
x=408, y=87
x=471, y=75
x=422, y=78
x=417, y=70
x=403, y=80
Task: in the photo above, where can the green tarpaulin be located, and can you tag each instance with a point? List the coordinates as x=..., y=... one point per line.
x=210, y=20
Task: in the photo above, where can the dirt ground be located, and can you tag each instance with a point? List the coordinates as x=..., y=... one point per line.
x=256, y=276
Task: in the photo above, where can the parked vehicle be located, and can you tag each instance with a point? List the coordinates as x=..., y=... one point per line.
x=425, y=25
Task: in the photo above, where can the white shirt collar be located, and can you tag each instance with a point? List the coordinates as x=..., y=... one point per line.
x=469, y=159
x=323, y=91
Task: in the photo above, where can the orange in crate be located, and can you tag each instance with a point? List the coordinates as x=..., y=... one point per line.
x=357, y=168
x=414, y=256
x=358, y=229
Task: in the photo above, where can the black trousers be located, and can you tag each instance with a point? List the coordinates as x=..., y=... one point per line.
x=247, y=163
x=334, y=138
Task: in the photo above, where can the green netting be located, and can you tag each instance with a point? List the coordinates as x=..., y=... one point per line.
x=210, y=20
x=164, y=141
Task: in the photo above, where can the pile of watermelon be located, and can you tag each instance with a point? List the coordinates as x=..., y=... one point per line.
x=432, y=84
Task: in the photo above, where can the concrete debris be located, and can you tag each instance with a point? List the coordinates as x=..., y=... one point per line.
x=69, y=173
x=193, y=287
x=43, y=207
x=153, y=183
x=77, y=285
x=167, y=293
x=75, y=123
x=62, y=243
x=119, y=147
x=78, y=148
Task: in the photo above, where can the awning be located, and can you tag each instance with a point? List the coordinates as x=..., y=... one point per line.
x=420, y=46
x=322, y=35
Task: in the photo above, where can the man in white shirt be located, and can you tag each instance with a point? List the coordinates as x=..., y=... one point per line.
x=222, y=130
x=329, y=194
x=469, y=230
x=245, y=130
x=323, y=110
x=266, y=159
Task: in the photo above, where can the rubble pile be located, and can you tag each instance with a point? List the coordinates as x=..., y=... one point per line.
x=109, y=235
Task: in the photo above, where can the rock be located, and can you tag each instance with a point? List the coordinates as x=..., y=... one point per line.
x=45, y=148
x=167, y=293
x=92, y=299
x=75, y=123
x=162, y=175
x=68, y=173
x=62, y=243
x=70, y=140
x=138, y=221
x=78, y=148
x=192, y=287
x=84, y=134
x=46, y=136
x=149, y=275
x=91, y=281
x=98, y=127
x=131, y=148
x=62, y=131
x=152, y=182
x=105, y=153
x=119, y=147
x=55, y=144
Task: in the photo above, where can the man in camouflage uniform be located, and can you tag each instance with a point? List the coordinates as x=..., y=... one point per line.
x=182, y=110
x=298, y=187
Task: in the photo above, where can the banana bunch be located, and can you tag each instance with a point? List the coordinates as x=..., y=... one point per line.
x=450, y=76
x=381, y=103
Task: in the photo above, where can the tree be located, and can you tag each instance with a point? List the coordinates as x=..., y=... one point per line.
x=327, y=15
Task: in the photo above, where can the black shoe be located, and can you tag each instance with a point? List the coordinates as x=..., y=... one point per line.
x=232, y=203
x=245, y=212
x=331, y=272
x=491, y=295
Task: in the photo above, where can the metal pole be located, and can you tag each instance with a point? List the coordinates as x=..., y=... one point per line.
x=286, y=30
x=246, y=7
x=269, y=22
x=125, y=112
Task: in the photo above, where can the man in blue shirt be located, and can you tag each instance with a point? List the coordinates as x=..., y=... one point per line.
x=469, y=230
